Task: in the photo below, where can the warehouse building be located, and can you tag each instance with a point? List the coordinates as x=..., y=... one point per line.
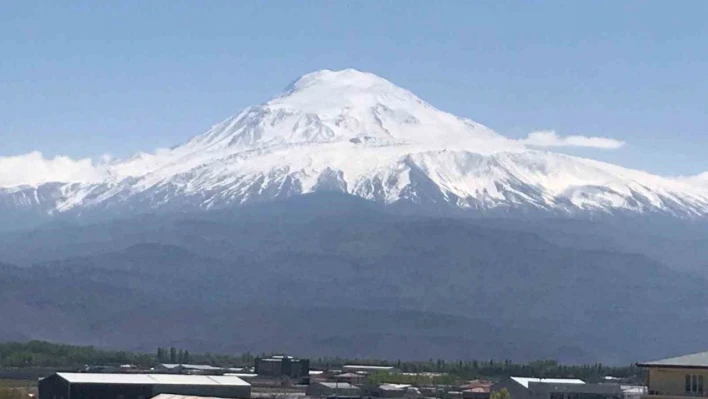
x=328, y=389
x=140, y=386
x=549, y=388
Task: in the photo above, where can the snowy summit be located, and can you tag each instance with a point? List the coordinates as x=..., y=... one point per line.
x=360, y=134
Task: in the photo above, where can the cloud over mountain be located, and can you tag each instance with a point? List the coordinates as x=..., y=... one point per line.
x=549, y=138
x=35, y=169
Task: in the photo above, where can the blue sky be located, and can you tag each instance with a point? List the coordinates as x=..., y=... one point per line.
x=88, y=78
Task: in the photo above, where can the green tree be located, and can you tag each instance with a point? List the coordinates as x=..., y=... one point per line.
x=502, y=394
x=173, y=355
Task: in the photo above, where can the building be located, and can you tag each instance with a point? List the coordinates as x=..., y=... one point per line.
x=352, y=368
x=393, y=390
x=546, y=388
x=683, y=376
x=189, y=368
x=352, y=378
x=283, y=366
x=634, y=391
x=328, y=389
x=476, y=389
x=139, y=386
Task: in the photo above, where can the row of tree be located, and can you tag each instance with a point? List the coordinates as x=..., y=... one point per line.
x=44, y=354
x=172, y=356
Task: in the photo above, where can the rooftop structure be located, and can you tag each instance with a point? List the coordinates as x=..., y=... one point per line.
x=140, y=386
x=556, y=388
x=202, y=367
x=369, y=369
x=526, y=381
x=325, y=389
x=695, y=360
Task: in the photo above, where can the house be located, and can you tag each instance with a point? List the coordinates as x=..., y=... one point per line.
x=683, y=376
x=327, y=389
x=476, y=389
x=139, y=386
x=476, y=393
x=547, y=388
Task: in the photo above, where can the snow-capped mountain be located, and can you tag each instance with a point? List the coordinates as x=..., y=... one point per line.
x=359, y=134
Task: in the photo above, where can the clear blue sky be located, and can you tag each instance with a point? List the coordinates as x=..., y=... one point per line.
x=94, y=77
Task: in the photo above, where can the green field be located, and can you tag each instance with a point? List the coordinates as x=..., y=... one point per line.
x=4, y=383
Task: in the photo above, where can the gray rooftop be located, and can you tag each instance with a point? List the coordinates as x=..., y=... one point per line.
x=696, y=360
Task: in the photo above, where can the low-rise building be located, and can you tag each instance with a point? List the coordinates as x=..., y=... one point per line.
x=547, y=388
x=327, y=389
x=677, y=377
x=393, y=390
x=189, y=368
x=634, y=391
x=369, y=369
x=352, y=378
x=140, y=386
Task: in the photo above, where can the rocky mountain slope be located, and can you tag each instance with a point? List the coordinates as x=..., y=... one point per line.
x=334, y=275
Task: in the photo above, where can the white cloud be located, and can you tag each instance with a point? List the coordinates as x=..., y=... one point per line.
x=549, y=138
x=34, y=169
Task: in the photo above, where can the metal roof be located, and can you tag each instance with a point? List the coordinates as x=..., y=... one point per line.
x=696, y=360
x=338, y=385
x=526, y=381
x=394, y=387
x=151, y=379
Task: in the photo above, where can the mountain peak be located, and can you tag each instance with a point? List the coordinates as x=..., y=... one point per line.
x=345, y=78
x=325, y=90
x=347, y=106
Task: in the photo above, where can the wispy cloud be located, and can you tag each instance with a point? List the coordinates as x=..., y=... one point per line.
x=34, y=169
x=549, y=138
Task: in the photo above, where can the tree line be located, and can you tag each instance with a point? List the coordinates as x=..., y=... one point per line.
x=44, y=354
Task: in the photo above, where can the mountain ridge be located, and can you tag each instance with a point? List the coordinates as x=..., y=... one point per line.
x=359, y=134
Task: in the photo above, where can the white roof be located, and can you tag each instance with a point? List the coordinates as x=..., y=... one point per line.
x=242, y=375
x=339, y=385
x=356, y=367
x=394, y=386
x=151, y=379
x=525, y=381
x=638, y=389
